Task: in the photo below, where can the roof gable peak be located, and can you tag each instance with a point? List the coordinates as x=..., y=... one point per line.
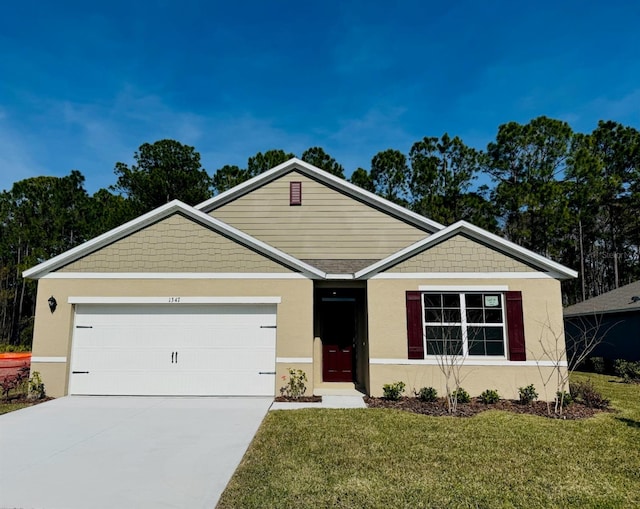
x=156, y=215
x=476, y=233
x=337, y=183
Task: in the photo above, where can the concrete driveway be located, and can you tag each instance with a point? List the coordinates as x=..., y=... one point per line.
x=126, y=452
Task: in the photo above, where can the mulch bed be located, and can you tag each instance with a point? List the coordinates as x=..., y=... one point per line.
x=21, y=398
x=303, y=399
x=439, y=408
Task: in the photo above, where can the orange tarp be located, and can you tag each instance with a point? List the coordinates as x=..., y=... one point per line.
x=16, y=356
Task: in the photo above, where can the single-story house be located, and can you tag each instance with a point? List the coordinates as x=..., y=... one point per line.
x=612, y=319
x=295, y=268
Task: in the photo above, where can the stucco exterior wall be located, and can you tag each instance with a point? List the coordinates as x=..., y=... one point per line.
x=328, y=224
x=53, y=332
x=475, y=379
x=461, y=254
x=175, y=244
x=543, y=325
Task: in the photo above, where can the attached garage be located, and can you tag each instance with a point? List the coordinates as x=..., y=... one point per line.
x=173, y=346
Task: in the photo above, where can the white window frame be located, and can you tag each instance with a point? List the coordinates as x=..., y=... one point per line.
x=463, y=324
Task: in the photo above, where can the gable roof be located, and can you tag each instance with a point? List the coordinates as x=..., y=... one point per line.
x=554, y=269
x=200, y=215
x=158, y=214
x=337, y=183
x=615, y=301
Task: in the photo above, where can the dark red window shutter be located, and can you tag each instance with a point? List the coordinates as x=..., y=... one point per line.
x=295, y=193
x=515, y=327
x=414, y=325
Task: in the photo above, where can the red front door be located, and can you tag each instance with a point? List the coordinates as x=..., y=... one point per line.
x=338, y=338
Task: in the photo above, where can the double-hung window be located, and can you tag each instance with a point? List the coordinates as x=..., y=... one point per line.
x=468, y=324
x=473, y=323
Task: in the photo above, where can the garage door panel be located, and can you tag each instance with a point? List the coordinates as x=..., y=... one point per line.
x=174, y=350
x=105, y=359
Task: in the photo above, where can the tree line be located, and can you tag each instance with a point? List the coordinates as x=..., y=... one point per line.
x=572, y=197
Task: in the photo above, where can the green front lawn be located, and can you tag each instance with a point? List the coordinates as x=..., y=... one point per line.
x=6, y=407
x=386, y=458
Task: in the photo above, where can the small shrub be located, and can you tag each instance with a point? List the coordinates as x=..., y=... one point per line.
x=296, y=386
x=36, y=386
x=597, y=365
x=489, y=397
x=629, y=371
x=564, y=397
x=527, y=394
x=393, y=392
x=7, y=384
x=460, y=395
x=586, y=393
x=427, y=394
x=17, y=383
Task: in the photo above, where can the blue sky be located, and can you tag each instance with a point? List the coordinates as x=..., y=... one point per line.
x=84, y=84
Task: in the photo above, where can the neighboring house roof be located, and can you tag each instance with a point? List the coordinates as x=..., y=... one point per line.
x=554, y=269
x=615, y=301
x=337, y=183
x=156, y=215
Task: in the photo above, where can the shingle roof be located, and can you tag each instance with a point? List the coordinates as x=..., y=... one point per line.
x=340, y=266
x=615, y=301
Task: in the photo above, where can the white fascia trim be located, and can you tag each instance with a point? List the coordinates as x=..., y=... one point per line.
x=104, y=239
x=326, y=177
x=462, y=227
x=464, y=288
x=156, y=215
x=463, y=275
x=469, y=362
x=173, y=300
x=294, y=360
x=49, y=359
x=518, y=251
x=174, y=275
x=339, y=276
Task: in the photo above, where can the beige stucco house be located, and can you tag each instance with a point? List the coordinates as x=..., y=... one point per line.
x=294, y=268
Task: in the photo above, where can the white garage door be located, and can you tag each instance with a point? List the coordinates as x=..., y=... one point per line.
x=173, y=350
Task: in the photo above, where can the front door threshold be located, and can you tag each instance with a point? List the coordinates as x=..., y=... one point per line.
x=336, y=389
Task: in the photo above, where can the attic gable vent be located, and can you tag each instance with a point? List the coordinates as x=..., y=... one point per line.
x=295, y=193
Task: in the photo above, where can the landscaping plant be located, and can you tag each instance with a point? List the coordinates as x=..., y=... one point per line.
x=567, y=353
x=16, y=383
x=489, y=397
x=586, y=393
x=460, y=395
x=527, y=394
x=629, y=371
x=36, y=386
x=564, y=398
x=393, y=391
x=427, y=394
x=296, y=385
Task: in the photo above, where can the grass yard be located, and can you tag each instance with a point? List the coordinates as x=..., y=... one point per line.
x=6, y=407
x=387, y=458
